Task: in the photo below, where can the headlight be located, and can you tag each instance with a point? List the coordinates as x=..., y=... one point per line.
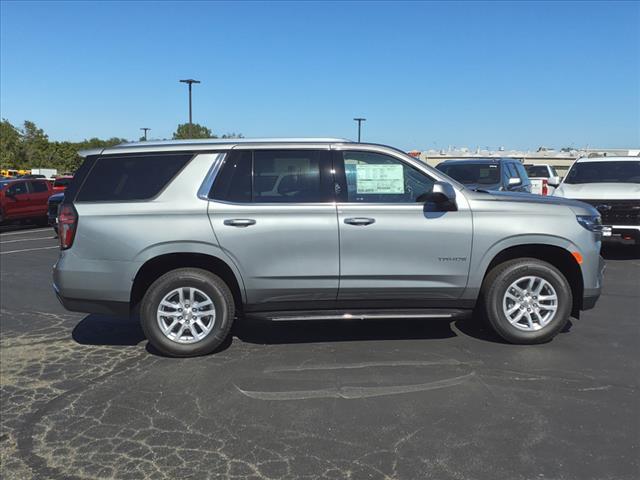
x=593, y=223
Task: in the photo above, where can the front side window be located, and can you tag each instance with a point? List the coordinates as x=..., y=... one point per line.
x=626, y=171
x=17, y=189
x=378, y=178
x=273, y=176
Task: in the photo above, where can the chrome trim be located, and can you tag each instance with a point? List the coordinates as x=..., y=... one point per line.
x=205, y=188
x=360, y=316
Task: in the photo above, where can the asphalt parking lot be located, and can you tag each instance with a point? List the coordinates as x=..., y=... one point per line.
x=84, y=397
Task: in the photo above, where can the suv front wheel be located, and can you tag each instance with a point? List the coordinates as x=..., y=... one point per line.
x=527, y=300
x=187, y=312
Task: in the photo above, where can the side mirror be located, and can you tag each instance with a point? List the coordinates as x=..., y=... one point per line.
x=553, y=181
x=442, y=194
x=515, y=182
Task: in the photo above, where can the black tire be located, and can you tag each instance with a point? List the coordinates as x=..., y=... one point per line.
x=498, y=281
x=213, y=286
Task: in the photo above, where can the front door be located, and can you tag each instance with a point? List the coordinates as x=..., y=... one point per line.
x=17, y=203
x=395, y=251
x=273, y=213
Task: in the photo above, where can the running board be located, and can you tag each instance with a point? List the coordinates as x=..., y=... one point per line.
x=413, y=313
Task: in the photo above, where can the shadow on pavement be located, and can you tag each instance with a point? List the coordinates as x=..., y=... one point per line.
x=621, y=252
x=107, y=330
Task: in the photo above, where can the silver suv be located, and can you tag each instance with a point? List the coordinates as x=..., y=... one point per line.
x=191, y=235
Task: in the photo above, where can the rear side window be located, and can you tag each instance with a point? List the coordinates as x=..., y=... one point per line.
x=273, y=176
x=131, y=177
x=39, y=187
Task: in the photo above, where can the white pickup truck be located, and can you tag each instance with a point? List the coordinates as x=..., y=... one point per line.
x=544, y=178
x=612, y=185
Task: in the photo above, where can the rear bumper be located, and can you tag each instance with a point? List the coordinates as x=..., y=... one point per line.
x=629, y=234
x=92, y=306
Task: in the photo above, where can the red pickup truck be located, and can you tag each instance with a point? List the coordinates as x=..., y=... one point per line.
x=24, y=199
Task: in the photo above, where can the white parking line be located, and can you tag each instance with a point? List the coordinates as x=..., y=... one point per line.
x=28, y=250
x=24, y=232
x=27, y=240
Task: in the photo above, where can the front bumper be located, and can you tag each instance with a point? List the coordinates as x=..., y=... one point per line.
x=591, y=295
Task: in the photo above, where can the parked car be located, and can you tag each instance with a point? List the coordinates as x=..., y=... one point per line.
x=493, y=174
x=183, y=233
x=612, y=186
x=544, y=178
x=60, y=184
x=24, y=199
x=52, y=209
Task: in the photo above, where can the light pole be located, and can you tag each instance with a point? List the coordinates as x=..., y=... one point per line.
x=190, y=81
x=359, y=120
x=145, y=130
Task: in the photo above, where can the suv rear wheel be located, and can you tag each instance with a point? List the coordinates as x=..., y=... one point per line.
x=187, y=312
x=527, y=300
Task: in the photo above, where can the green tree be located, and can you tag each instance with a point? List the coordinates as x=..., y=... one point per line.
x=10, y=145
x=35, y=144
x=183, y=132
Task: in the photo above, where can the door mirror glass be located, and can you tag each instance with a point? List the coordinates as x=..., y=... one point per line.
x=442, y=194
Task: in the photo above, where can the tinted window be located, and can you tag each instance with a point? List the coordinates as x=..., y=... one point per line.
x=605, y=172
x=537, y=171
x=61, y=182
x=233, y=183
x=271, y=176
x=286, y=176
x=473, y=173
x=378, y=178
x=17, y=188
x=132, y=177
x=39, y=187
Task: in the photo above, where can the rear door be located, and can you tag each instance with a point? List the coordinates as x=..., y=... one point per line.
x=40, y=191
x=394, y=250
x=273, y=212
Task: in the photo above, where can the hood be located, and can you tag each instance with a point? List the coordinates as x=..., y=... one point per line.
x=495, y=187
x=56, y=197
x=599, y=191
x=579, y=208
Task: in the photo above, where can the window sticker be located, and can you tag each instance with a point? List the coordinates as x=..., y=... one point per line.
x=380, y=179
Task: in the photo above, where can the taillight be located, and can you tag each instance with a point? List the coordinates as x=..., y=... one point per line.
x=67, y=225
x=545, y=187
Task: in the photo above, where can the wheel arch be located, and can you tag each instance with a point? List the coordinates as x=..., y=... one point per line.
x=558, y=256
x=158, y=265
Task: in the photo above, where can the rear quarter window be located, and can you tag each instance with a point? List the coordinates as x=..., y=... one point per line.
x=130, y=177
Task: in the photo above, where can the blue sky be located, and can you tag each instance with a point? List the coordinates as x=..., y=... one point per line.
x=425, y=75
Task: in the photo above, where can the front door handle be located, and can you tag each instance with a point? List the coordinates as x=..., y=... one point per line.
x=240, y=222
x=361, y=221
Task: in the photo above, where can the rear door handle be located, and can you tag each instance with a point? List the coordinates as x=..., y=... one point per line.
x=361, y=221
x=240, y=222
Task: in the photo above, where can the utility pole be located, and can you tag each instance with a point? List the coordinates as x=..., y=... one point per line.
x=190, y=81
x=145, y=130
x=359, y=120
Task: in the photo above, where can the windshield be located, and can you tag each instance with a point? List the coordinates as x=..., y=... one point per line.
x=4, y=183
x=604, y=172
x=537, y=171
x=472, y=173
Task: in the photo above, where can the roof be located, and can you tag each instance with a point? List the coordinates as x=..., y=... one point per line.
x=207, y=143
x=607, y=159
